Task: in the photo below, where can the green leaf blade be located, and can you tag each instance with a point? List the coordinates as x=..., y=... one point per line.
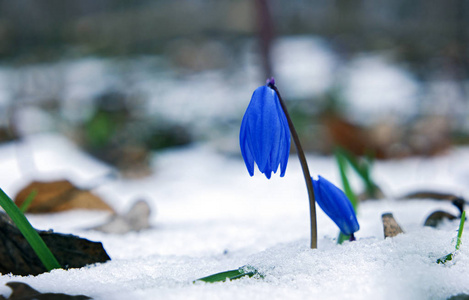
x=30, y=234
x=461, y=228
x=449, y=257
x=229, y=275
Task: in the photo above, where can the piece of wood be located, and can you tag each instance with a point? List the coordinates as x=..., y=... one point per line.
x=390, y=226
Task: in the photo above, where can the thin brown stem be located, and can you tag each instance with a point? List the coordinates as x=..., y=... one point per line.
x=304, y=166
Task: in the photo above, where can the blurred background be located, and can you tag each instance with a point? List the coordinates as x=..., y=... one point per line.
x=123, y=79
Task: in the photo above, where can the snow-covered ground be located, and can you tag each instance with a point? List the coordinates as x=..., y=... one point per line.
x=210, y=216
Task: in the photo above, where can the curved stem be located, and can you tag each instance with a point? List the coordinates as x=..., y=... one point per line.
x=304, y=166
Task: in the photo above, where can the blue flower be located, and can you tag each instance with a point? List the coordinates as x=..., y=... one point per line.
x=264, y=136
x=336, y=205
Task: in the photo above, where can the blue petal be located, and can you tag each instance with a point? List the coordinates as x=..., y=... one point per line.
x=245, y=148
x=278, y=128
x=284, y=141
x=336, y=205
x=267, y=128
x=254, y=118
x=264, y=134
x=268, y=170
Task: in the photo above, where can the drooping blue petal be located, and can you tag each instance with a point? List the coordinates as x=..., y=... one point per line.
x=336, y=205
x=267, y=128
x=245, y=148
x=281, y=150
x=284, y=142
x=276, y=146
x=264, y=135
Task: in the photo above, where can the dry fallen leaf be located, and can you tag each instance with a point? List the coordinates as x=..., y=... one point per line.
x=390, y=226
x=17, y=256
x=58, y=196
x=389, y=139
x=437, y=217
x=22, y=291
x=457, y=201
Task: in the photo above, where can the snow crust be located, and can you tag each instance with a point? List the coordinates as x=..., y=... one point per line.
x=210, y=216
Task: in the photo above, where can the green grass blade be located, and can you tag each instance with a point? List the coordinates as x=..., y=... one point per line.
x=346, y=184
x=450, y=256
x=29, y=233
x=222, y=276
x=362, y=169
x=230, y=275
x=461, y=227
x=28, y=201
x=341, y=161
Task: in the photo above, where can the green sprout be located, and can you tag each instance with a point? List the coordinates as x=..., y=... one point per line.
x=461, y=228
x=30, y=234
x=342, y=162
x=362, y=167
x=230, y=275
x=450, y=256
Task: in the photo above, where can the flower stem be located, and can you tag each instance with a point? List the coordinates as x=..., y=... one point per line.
x=304, y=166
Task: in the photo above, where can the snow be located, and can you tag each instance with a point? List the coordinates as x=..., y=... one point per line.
x=376, y=89
x=305, y=66
x=210, y=216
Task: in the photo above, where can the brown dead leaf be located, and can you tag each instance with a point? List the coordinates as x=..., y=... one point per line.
x=457, y=201
x=388, y=139
x=22, y=291
x=437, y=217
x=17, y=256
x=390, y=226
x=58, y=196
x=430, y=195
x=350, y=136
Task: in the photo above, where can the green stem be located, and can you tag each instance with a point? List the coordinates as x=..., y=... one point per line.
x=362, y=169
x=461, y=227
x=30, y=234
x=304, y=166
x=341, y=161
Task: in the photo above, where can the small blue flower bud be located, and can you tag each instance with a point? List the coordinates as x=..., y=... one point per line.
x=264, y=136
x=336, y=205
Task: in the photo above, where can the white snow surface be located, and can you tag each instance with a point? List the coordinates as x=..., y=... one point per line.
x=376, y=89
x=210, y=216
